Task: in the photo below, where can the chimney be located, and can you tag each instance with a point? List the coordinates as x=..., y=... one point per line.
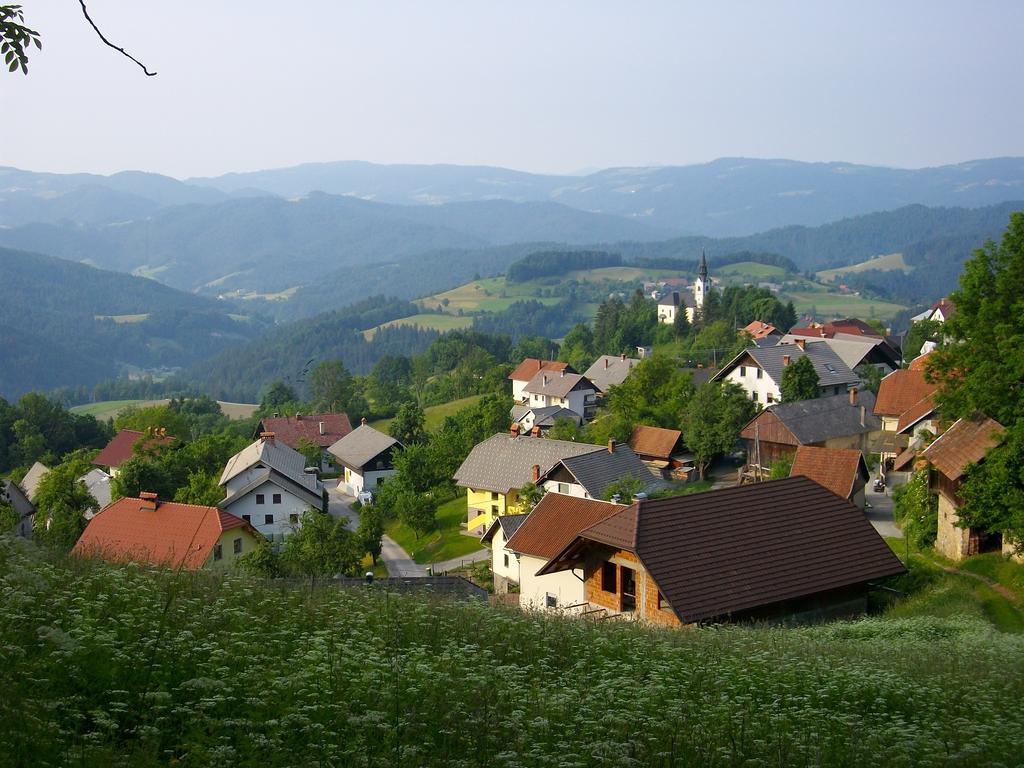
x=362, y=421
x=544, y=380
x=561, y=373
x=853, y=396
x=323, y=428
x=622, y=356
x=298, y=417
x=611, y=445
x=785, y=359
x=266, y=437
x=535, y=431
x=862, y=416
x=514, y=429
x=606, y=363
x=801, y=343
x=149, y=502
x=535, y=473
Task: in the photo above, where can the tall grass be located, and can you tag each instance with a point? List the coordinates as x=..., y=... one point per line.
x=103, y=665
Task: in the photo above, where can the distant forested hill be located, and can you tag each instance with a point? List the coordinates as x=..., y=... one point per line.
x=63, y=323
x=723, y=198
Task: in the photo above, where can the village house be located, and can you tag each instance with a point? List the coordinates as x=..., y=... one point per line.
x=761, y=333
x=661, y=450
x=842, y=470
x=30, y=482
x=164, y=533
x=783, y=551
x=950, y=457
x=856, y=350
x=906, y=406
x=527, y=370
x=97, y=482
x=609, y=371
x=554, y=522
x=563, y=389
x=320, y=429
x=122, y=447
x=837, y=421
x=939, y=312
x=758, y=370
x=498, y=467
x=504, y=564
x=11, y=493
x=588, y=475
x=367, y=458
x=266, y=484
x=543, y=418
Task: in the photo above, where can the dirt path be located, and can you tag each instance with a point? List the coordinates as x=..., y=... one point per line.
x=999, y=589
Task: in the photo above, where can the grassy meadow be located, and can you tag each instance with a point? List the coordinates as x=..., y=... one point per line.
x=890, y=262
x=430, y=322
x=445, y=542
x=109, y=409
x=106, y=665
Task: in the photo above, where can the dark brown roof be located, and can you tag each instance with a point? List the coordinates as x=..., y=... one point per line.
x=291, y=429
x=119, y=449
x=905, y=461
x=963, y=444
x=900, y=391
x=656, y=442
x=531, y=366
x=728, y=551
x=556, y=521
x=833, y=468
x=915, y=413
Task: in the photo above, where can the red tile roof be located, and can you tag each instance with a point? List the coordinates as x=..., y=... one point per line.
x=531, y=366
x=833, y=468
x=723, y=552
x=919, y=362
x=173, y=535
x=759, y=329
x=920, y=410
x=291, y=429
x=654, y=442
x=850, y=325
x=900, y=391
x=556, y=521
x=963, y=444
x=947, y=307
x=120, y=448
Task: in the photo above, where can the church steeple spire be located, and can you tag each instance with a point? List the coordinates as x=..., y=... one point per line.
x=702, y=273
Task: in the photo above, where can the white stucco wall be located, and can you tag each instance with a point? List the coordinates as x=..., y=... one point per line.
x=746, y=377
x=567, y=489
x=353, y=483
x=247, y=509
x=564, y=585
x=498, y=556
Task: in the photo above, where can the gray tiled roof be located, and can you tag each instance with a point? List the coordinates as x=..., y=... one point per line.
x=545, y=416
x=508, y=524
x=501, y=462
x=556, y=383
x=314, y=499
x=831, y=369
x=851, y=349
x=361, y=445
x=12, y=493
x=610, y=371
x=813, y=421
x=98, y=483
x=275, y=455
x=596, y=471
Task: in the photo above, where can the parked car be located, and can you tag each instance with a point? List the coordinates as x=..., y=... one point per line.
x=366, y=497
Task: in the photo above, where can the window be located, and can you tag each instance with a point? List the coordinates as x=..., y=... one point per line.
x=237, y=546
x=550, y=601
x=293, y=519
x=494, y=509
x=760, y=373
x=771, y=397
x=277, y=498
x=563, y=488
x=753, y=395
x=628, y=589
x=218, y=553
x=609, y=580
x=268, y=519
x=506, y=560
x=380, y=481
x=662, y=602
x=261, y=499
x=494, y=496
x=247, y=518
x=743, y=371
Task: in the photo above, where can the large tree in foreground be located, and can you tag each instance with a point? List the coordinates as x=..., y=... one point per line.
x=981, y=370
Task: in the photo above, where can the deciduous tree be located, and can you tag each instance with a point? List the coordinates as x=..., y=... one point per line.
x=799, y=381
x=714, y=417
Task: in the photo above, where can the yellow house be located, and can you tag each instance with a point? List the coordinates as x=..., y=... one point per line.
x=501, y=465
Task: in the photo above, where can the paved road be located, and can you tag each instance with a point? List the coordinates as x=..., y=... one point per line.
x=880, y=512
x=458, y=562
x=395, y=558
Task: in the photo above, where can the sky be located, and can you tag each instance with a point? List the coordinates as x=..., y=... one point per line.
x=555, y=86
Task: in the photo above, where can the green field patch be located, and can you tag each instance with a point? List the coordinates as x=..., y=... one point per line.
x=838, y=305
x=434, y=415
x=492, y=294
x=110, y=409
x=889, y=263
x=622, y=274
x=445, y=542
x=428, y=322
x=752, y=270
x=123, y=319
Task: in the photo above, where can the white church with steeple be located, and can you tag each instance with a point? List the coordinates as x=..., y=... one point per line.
x=690, y=302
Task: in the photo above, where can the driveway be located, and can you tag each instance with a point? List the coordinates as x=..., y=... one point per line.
x=395, y=558
x=880, y=511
